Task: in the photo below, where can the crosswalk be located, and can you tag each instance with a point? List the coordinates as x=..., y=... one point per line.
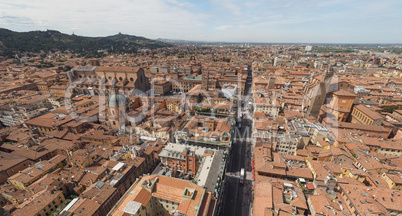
x=242, y=139
x=249, y=175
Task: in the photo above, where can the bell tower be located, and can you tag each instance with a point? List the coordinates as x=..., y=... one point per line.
x=117, y=104
x=205, y=80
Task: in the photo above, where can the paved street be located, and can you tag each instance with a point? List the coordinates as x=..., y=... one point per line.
x=238, y=197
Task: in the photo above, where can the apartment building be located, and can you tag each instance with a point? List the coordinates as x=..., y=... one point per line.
x=394, y=181
x=41, y=204
x=161, y=195
x=31, y=174
x=361, y=200
x=362, y=114
x=268, y=106
x=162, y=87
x=206, y=132
x=11, y=164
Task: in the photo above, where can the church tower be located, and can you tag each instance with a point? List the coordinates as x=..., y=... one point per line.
x=316, y=97
x=175, y=73
x=271, y=82
x=329, y=72
x=117, y=104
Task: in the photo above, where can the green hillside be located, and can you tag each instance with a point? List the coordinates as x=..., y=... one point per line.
x=35, y=41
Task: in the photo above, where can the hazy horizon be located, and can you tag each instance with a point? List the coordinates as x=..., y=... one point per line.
x=231, y=21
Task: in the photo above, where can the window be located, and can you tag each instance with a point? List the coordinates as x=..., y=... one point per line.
x=121, y=78
x=131, y=79
x=114, y=123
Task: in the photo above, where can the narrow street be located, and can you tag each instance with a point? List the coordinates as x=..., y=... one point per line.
x=238, y=197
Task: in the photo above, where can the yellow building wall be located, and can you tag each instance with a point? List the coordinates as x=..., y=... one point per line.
x=17, y=184
x=391, y=184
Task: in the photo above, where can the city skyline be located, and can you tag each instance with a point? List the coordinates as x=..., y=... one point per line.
x=215, y=21
x=122, y=125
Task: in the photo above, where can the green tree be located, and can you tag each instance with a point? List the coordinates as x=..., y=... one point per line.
x=67, y=68
x=390, y=109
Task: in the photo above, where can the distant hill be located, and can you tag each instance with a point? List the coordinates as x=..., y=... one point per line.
x=188, y=42
x=36, y=41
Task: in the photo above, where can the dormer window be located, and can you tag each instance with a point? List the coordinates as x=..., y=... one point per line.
x=188, y=192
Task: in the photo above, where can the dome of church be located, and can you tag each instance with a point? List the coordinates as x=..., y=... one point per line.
x=117, y=100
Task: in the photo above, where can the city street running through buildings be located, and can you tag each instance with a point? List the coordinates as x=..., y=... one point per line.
x=237, y=199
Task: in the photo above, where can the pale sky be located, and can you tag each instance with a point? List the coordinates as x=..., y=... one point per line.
x=299, y=21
